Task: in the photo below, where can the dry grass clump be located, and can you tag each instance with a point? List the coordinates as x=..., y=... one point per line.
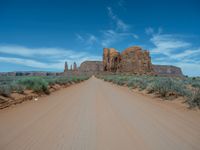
x=165, y=87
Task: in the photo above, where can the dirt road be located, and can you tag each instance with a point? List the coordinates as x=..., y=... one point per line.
x=96, y=115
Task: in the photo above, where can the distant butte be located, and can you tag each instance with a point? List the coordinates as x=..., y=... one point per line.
x=133, y=60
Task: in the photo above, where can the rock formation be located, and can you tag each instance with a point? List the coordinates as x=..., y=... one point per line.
x=165, y=70
x=111, y=59
x=71, y=68
x=72, y=71
x=91, y=67
x=131, y=60
x=75, y=67
x=135, y=60
x=66, y=67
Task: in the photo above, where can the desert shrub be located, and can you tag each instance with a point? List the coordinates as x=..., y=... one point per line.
x=5, y=90
x=74, y=79
x=82, y=78
x=108, y=78
x=136, y=82
x=167, y=86
x=51, y=80
x=62, y=80
x=37, y=84
x=196, y=84
x=132, y=83
x=194, y=99
x=119, y=80
x=17, y=87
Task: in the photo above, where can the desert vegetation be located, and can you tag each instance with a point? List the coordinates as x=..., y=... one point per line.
x=36, y=85
x=165, y=87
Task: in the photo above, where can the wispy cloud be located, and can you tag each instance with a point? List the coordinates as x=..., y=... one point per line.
x=47, y=58
x=79, y=37
x=111, y=36
x=31, y=63
x=173, y=49
x=167, y=43
x=87, y=39
x=91, y=39
x=149, y=30
x=120, y=24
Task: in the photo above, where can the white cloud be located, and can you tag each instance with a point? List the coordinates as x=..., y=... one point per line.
x=120, y=24
x=108, y=37
x=121, y=3
x=91, y=39
x=175, y=50
x=79, y=37
x=149, y=30
x=135, y=36
x=34, y=52
x=111, y=36
x=47, y=58
x=88, y=39
x=167, y=43
x=187, y=54
x=31, y=63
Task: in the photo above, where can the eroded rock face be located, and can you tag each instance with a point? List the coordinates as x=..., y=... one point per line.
x=135, y=60
x=111, y=59
x=91, y=66
x=131, y=60
x=66, y=67
x=165, y=70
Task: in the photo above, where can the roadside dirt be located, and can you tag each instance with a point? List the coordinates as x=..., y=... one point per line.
x=96, y=115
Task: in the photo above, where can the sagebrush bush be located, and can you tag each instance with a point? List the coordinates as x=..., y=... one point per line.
x=137, y=83
x=164, y=86
x=17, y=87
x=167, y=86
x=194, y=99
x=62, y=80
x=196, y=84
x=119, y=80
x=5, y=90
x=9, y=84
x=37, y=84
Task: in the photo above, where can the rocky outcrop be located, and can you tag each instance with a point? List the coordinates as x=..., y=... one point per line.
x=91, y=67
x=66, y=67
x=131, y=60
x=165, y=70
x=135, y=60
x=75, y=67
x=111, y=59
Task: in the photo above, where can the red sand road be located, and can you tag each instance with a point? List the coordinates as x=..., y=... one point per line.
x=96, y=115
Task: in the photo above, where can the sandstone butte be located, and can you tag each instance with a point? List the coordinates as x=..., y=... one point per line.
x=133, y=60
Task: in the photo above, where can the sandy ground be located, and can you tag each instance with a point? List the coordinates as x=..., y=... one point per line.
x=96, y=115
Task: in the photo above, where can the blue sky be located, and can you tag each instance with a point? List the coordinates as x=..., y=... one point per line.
x=41, y=34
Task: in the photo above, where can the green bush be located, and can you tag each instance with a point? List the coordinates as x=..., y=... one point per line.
x=62, y=80
x=196, y=85
x=119, y=80
x=9, y=84
x=167, y=86
x=5, y=90
x=137, y=83
x=194, y=99
x=37, y=84
x=17, y=87
x=164, y=86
